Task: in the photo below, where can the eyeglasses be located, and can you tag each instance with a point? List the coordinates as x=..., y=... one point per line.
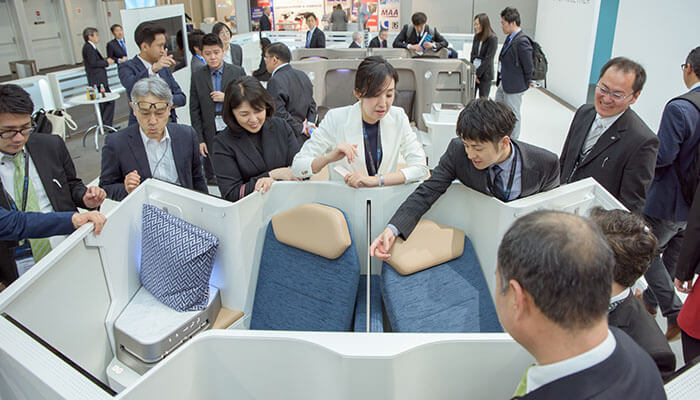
x=146, y=106
x=614, y=95
x=11, y=133
x=683, y=66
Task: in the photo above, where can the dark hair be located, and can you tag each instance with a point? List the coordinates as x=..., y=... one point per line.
x=87, y=32
x=218, y=27
x=279, y=50
x=264, y=44
x=630, y=239
x=146, y=32
x=15, y=100
x=210, y=39
x=246, y=88
x=371, y=75
x=511, y=14
x=194, y=39
x=486, y=30
x=693, y=60
x=113, y=27
x=484, y=120
x=382, y=30
x=626, y=65
x=419, y=18
x=564, y=262
x=310, y=14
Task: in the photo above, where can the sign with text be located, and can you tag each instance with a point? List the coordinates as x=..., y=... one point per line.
x=388, y=14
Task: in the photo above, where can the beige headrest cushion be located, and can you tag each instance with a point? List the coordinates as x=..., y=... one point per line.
x=430, y=244
x=318, y=229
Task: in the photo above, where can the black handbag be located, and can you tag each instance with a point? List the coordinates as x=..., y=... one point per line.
x=41, y=122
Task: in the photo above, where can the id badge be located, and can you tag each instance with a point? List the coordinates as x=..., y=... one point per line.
x=23, y=257
x=499, y=67
x=477, y=62
x=220, y=124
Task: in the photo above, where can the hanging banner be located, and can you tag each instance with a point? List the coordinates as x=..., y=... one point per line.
x=388, y=14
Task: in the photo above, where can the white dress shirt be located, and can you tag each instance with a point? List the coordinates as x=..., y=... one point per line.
x=148, y=66
x=598, y=127
x=278, y=67
x=160, y=157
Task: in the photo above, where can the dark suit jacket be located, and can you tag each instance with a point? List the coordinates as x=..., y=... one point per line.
x=202, y=107
x=133, y=70
x=294, y=97
x=628, y=373
x=354, y=45
x=261, y=73
x=95, y=66
x=689, y=260
x=622, y=160
x=539, y=173
x=633, y=319
x=195, y=64
x=114, y=50
x=18, y=225
x=238, y=163
x=52, y=160
x=408, y=35
x=484, y=51
x=318, y=39
x=375, y=42
x=265, y=24
x=124, y=152
x=236, y=54
x=516, y=77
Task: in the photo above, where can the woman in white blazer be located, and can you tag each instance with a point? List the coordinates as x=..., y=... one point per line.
x=362, y=144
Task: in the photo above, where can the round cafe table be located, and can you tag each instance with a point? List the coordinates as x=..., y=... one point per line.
x=100, y=127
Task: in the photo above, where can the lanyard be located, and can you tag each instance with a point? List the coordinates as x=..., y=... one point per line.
x=368, y=150
x=510, y=179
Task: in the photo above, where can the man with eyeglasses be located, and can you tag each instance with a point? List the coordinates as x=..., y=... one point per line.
x=153, y=148
x=608, y=141
x=667, y=209
x=37, y=175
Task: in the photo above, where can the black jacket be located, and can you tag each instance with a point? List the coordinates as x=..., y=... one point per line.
x=114, y=50
x=622, y=160
x=375, y=42
x=318, y=39
x=265, y=24
x=485, y=52
x=294, y=97
x=408, y=35
x=95, y=66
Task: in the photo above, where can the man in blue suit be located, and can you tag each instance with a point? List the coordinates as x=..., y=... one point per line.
x=18, y=225
x=152, y=149
x=666, y=210
x=116, y=48
x=152, y=60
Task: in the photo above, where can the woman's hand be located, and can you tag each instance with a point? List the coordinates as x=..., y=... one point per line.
x=358, y=180
x=283, y=174
x=263, y=184
x=343, y=150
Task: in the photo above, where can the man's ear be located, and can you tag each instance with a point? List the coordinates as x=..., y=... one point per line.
x=522, y=301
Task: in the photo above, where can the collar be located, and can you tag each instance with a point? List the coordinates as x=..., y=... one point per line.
x=505, y=164
x=697, y=85
x=358, y=43
x=607, y=122
x=220, y=70
x=512, y=35
x=146, y=139
x=12, y=156
x=145, y=63
x=540, y=375
x=94, y=46
x=273, y=72
x=202, y=59
x=621, y=296
x=311, y=31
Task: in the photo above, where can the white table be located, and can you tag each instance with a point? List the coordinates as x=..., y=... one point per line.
x=79, y=100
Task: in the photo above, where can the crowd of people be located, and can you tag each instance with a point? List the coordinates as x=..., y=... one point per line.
x=564, y=282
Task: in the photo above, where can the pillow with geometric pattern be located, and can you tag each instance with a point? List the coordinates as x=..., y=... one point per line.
x=176, y=260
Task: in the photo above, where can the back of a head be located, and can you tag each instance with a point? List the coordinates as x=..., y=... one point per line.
x=630, y=239
x=693, y=60
x=146, y=32
x=484, y=120
x=419, y=18
x=279, y=50
x=372, y=74
x=626, y=65
x=264, y=43
x=564, y=262
x=15, y=100
x=510, y=15
x=194, y=40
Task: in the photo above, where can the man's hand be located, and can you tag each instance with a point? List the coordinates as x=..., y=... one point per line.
x=477, y=80
x=683, y=286
x=263, y=184
x=163, y=62
x=382, y=245
x=217, y=97
x=358, y=180
x=80, y=219
x=132, y=181
x=124, y=59
x=415, y=47
x=428, y=45
x=94, y=196
x=343, y=150
x=110, y=61
x=203, y=149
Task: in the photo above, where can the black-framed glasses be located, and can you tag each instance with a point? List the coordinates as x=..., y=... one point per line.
x=615, y=96
x=11, y=133
x=683, y=66
x=145, y=106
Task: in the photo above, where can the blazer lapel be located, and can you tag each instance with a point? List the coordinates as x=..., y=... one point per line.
x=388, y=142
x=139, y=152
x=178, y=145
x=207, y=76
x=579, y=136
x=528, y=180
x=610, y=136
x=354, y=135
x=248, y=148
x=38, y=156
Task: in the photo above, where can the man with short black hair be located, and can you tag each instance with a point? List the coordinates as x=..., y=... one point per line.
x=207, y=96
x=315, y=38
x=292, y=91
x=410, y=37
x=380, y=39
x=152, y=59
x=552, y=295
x=484, y=158
x=42, y=161
x=116, y=48
x=95, y=69
x=194, y=43
x=608, y=141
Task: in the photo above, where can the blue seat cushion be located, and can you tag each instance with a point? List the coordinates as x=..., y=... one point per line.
x=376, y=321
x=450, y=297
x=298, y=290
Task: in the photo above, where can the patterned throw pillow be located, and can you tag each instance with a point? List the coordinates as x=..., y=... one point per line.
x=176, y=260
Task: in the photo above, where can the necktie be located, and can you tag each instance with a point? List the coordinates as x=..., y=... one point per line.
x=521, y=390
x=498, y=187
x=216, y=80
x=593, y=136
x=308, y=39
x=40, y=247
x=505, y=44
x=121, y=42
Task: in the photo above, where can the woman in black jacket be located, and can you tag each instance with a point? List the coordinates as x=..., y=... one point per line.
x=483, y=50
x=256, y=148
x=261, y=73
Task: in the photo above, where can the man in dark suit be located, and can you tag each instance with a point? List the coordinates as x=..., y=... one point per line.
x=152, y=60
x=634, y=246
x=380, y=39
x=552, y=294
x=356, y=41
x=152, y=149
x=116, y=48
x=409, y=37
x=292, y=91
x=315, y=38
x=43, y=162
x=515, y=65
x=493, y=164
x=95, y=68
x=266, y=20
x=666, y=208
x=608, y=141
x=207, y=97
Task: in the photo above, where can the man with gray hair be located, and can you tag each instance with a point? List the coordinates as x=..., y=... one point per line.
x=152, y=149
x=356, y=40
x=552, y=294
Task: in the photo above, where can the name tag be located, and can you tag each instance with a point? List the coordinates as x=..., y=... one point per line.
x=499, y=67
x=477, y=62
x=220, y=124
x=23, y=257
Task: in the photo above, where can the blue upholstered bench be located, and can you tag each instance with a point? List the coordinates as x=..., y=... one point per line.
x=376, y=321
